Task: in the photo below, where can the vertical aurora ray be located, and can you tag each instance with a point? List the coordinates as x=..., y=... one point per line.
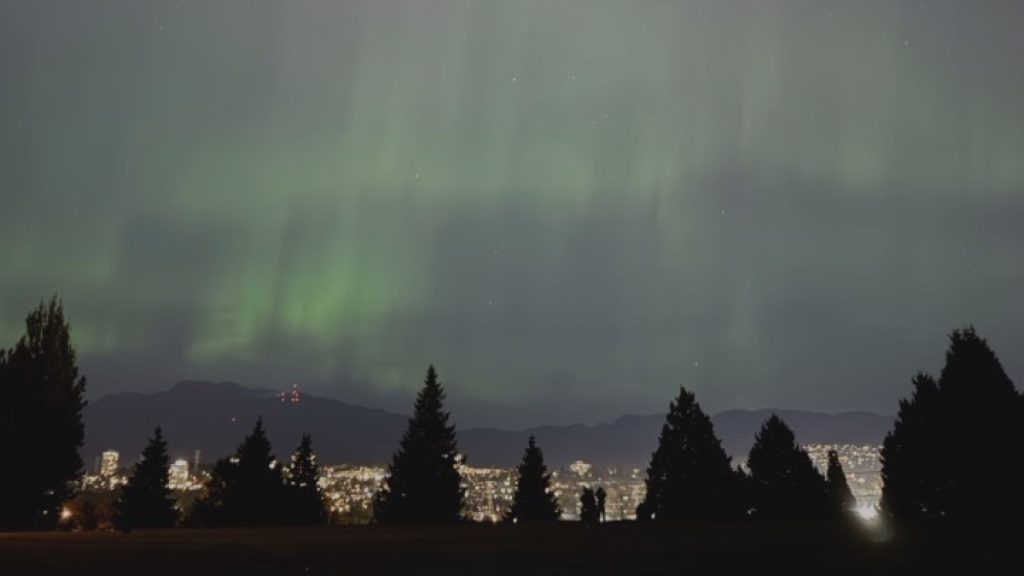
x=587, y=202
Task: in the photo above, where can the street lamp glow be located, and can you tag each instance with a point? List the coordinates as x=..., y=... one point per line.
x=866, y=512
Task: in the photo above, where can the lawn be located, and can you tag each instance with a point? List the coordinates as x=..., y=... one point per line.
x=618, y=548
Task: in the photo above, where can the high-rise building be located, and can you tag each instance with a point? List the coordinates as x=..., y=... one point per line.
x=580, y=468
x=108, y=463
x=179, y=474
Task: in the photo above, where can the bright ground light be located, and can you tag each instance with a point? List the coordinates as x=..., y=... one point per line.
x=866, y=512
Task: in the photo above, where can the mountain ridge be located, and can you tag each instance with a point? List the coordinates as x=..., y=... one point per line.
x=213, y=417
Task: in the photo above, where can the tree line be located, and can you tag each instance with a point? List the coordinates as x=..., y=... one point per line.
x=972, y=412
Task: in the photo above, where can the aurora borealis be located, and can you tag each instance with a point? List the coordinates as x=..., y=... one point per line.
x=571, y=207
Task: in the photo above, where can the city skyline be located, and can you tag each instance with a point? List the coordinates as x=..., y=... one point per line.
x=350, y=489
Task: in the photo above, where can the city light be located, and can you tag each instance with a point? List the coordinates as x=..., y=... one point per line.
x=862, y=465
x=350, y=490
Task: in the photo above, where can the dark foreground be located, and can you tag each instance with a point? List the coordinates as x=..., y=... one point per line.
x=625, y=548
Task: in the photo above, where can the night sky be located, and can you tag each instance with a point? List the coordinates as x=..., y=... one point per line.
x=571, y=207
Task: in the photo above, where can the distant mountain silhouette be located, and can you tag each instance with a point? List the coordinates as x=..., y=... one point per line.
x=629, y=440
x=214, y=416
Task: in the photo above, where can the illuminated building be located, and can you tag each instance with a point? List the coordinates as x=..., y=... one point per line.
x=108, y=463
x=580, y=468
x=179, y=478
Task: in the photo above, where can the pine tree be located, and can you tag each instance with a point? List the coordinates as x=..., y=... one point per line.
x=690, y=475
x=41, y=402
x=146, y=500
x=785, y=483
x=246, y=489
x=305, y=501
x=534, y=501
x=973, y=411
x=841, y=500
x=589, y=513
x=910, y=457
x=424, y=483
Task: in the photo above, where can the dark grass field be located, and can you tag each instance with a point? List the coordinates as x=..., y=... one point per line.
x=621, y=548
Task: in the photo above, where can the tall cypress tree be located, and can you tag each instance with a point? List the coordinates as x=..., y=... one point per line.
x=246, y=489
x=424, y=483
x=534, y=501
x=840, y=497
x=146, y=500
x=784, y=481
x=305, y=501
x=973, y=411
x=690, y=475
x=41, y=401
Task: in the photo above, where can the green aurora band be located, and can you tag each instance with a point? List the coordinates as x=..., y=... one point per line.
x=570, y=206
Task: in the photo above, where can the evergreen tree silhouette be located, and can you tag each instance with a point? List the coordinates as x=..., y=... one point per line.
x=839, y=495
x=589, y=513
x=690, y=475
x=424, y=483
x=784, y=481
x=534, y=501
x=910, y=459
x=973, y=411
x=41, y=401
x=305, y=501
x=146, y=500
x=246, y=489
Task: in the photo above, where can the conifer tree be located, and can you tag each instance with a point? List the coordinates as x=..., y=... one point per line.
x=909, y=456
x=589, y=513
x=690, y=475
x=841, y=500
x=784, y=481
x=973, y=411
x=41, y=402
x=424, y=483
x=146, y=500
x=534, y=501
x=246, y=489
x=305, y=501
